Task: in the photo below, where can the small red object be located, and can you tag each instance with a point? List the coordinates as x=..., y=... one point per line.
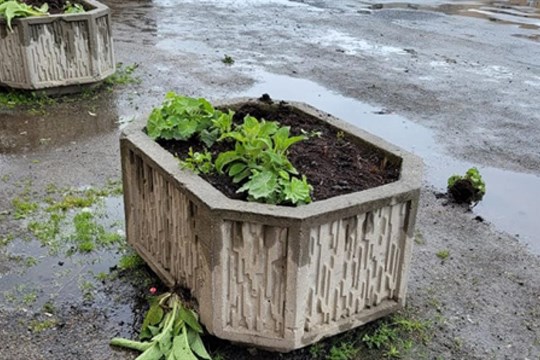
x=153, y=290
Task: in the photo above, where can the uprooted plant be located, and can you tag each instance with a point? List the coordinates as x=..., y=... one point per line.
x=169, y=331
x=256, y=158
x=469, y=188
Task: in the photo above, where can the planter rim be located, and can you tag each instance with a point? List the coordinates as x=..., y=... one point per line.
x=99, y=9
x=406, y=187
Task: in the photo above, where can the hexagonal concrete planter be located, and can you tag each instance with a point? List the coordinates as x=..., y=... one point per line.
x=57, y=51
x=271, y=276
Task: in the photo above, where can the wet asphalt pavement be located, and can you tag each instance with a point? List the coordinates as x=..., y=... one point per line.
x=457, y=84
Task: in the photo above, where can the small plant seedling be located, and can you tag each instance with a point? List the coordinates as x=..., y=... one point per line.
x=130, y=261
x=37, y=326
x=343, y=351
x=73, y=8
x=123, y=75
x=397, y=336
x=469, y=189
x=443, y=254
x=198, y=162
x=227, y=60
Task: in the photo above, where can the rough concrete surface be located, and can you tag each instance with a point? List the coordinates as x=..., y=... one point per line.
x=471, y=81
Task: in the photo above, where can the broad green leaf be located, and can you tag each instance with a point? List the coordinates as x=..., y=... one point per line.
x=261, y=185
x=237, y=168
x=181, y=349
x=190, y=318
x=284, y=175
x=186, y=129
x=153, y=317
x=276, y=159
x=196, y=345
x=241, y=176
x=297, y=191
x=225, y=158
x=152, y=353
x=268, y=128
x=208, y=137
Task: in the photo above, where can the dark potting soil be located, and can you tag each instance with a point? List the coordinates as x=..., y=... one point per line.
x=55, y=6
x=463, y=192
x=332, y=163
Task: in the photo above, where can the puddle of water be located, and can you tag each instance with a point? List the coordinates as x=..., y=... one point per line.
x=353, y=46
x=229, y=3
x=523, y=13
x=509, y=202
x=178, y=46
x=21, y=131
x=59, y=278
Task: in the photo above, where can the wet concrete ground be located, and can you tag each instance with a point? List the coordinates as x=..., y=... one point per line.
x=457, y=90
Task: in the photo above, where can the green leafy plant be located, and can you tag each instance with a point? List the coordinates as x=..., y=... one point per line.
x=169, y=331
x=198, y=162
x=259, y=161
x=12, y=9
x=73, y=8
x=181, y=117
x=469, y=188
x=397, y=336
x=344, y=351
x=227, y=60
x=443, y=254
x=260, y=157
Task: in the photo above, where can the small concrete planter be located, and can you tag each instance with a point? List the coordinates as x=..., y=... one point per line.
x=271, y=276
x=56, y=52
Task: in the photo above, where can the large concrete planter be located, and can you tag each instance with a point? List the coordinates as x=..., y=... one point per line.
x=51, y=52
x=273, y=276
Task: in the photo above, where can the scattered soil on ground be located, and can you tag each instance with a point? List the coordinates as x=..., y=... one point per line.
x=463, y=192
x=332, y=163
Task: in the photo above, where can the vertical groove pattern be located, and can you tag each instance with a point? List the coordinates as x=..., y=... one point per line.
x=104, y=52
x=163, y=221
x=354, y=264
x=11, y=55
x=59, y=50
x=254, y=276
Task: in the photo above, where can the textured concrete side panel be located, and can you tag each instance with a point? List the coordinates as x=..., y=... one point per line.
x=12, y=65
x=254, y=260
x=165, y=226
x=58, y=52
x=104, y=51
x=354, y=265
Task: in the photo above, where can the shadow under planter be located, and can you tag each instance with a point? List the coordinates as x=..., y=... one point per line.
x=57, y=53
x=275, y=277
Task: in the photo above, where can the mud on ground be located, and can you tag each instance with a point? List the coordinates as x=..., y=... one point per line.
x=473, y=82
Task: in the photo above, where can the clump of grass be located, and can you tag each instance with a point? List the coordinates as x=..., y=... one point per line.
x=227, y=60
x=6, y=239
x=397, y=336
x=88, y=233
x=88, y=289
x=123, y=75
x=23, y=207
x=13, y=98
x=343, y=351
x=130, y=261
x=37, y=326
x=443, y=254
